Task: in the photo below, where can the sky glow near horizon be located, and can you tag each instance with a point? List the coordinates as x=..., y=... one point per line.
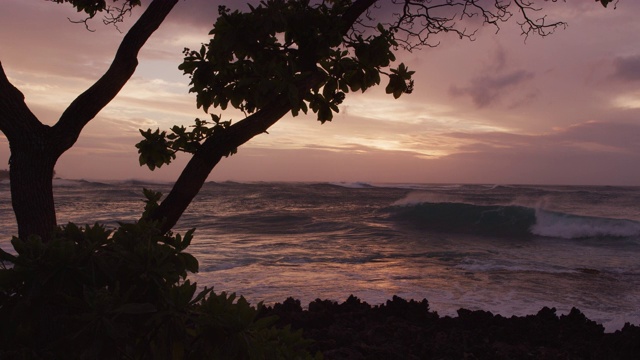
x=564, y=109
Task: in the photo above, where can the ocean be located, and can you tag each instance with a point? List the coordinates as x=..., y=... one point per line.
x=510, y=250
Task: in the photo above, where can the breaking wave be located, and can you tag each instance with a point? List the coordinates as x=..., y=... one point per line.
x=509, y=220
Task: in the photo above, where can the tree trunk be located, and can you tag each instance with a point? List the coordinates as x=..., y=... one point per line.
x=35, y=147
x=31, y=172
x=215, y=148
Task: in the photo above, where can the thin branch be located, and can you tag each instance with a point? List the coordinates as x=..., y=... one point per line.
x=113, y=14
x=419, y=21
x=537, y=26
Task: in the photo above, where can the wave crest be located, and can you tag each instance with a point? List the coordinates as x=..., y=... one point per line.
x=568, y=226
x=508, y=220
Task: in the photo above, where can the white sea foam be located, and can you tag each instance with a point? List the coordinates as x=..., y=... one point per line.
x=559, y=225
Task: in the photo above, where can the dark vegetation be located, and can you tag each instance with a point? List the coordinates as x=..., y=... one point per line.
x=89, y=293
x=85, y=292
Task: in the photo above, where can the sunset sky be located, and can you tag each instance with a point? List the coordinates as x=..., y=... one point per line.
x=564, y=109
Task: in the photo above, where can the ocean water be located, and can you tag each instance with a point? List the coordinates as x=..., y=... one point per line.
x=507, y=249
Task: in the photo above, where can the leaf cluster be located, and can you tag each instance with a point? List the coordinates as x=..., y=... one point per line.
x=159, y=148
x=605, y=2
x=92, y=7
x=93, y=293
x=269, y=52
x=254, y=56
x=114, y=14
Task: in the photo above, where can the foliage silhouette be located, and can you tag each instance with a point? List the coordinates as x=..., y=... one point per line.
x=91, y=293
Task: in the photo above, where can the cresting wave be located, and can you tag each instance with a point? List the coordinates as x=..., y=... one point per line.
x=509, y=220
x=568, y=226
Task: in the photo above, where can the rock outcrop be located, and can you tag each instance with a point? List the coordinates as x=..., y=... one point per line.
x=401, y=329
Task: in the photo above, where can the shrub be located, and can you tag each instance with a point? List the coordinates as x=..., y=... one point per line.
x=92, y=293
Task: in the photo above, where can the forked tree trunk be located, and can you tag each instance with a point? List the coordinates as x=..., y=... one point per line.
x=35, y=147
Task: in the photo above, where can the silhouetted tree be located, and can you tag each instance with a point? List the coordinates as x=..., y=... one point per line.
x=280, y=56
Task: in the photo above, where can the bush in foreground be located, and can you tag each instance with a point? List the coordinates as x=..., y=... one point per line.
x=92, y=293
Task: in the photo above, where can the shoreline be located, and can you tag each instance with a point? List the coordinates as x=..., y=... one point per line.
x=401, y=329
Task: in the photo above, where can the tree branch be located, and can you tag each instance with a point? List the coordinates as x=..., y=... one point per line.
x=15, y=116
x=220, y=145
x=114, y=14
x=354, y=12
x=537, y=26
x=86, y=106
x=419, y=21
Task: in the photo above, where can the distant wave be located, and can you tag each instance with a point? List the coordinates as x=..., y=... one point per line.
x=509, y=220
x=430, y=187
x=352, y=185
x=58, y=182
x=140, y=182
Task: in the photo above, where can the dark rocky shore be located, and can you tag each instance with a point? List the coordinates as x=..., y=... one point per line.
x=406, y=330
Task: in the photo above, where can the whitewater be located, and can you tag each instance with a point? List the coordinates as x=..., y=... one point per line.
x=510, y=250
